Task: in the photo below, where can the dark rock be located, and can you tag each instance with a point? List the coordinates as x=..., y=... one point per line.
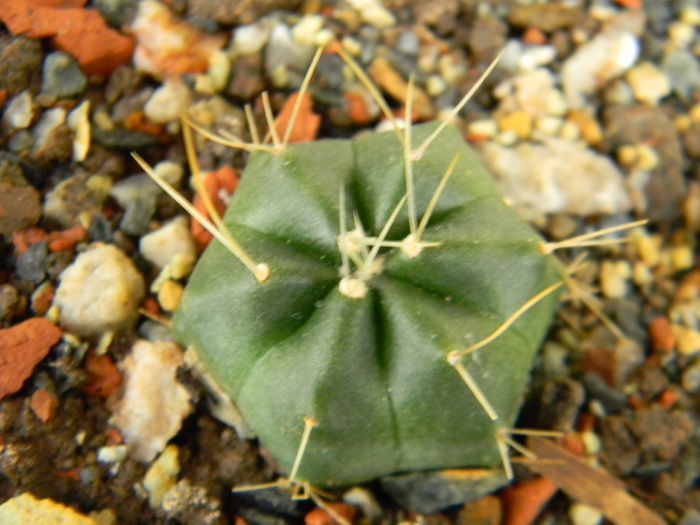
x=661, y=433
x=31, y=265
x=69, y=199
x=20, y=63
x=20, y=207
x=440, y=15
x=100, y=229
x=487, y=37
x=545, y=16
x=612, y=399
x=124, y=139
x=234, y=12
x=116, y=12
x=273, y=500
x=246, y=78
x=257, y=517
x=62, y=76
x=11, y=171
x=9, y=302
x=650, y=125
x=430, y=492
x=620, y=451
x=560, y=403
x=137, y=215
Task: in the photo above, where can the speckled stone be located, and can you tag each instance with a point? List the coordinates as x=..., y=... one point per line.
x=62, y=76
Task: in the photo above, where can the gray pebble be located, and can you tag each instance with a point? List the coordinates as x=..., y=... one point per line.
x=691, y=517
x=430, y=492
x=137, y=215
x=116, y=12
x=407, y=43
x=31, y=265
x=9, y=302
x=683, y=72
x=273, y=500
x=613, y=400
x=691, y=377
x=62, y=76
x=124, y=139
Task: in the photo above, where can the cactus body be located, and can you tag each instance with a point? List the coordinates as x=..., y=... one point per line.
x=371, y=370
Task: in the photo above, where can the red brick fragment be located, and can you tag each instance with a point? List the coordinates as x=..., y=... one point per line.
x=219, y=185
x=319, y=516
x=21, y=348
x=662, y=337
x=44, y=404
x=104, y=378
x=80, y=32
x=65, y=240
x=307, y=122
x=525, y=500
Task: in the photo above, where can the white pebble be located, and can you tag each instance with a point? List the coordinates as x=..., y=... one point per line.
x=364, y=499
x=162, y=476
x=305, y=31
x=168, y=102
x=535, y=56
x=581, y=514
x=557, y=177
x=160, y=247
x=250, y=39
x=100, y=292
x=19, y=111
x=79, y=122
x=112, y=454
x=613, y=278
x=44, y=129
x=374, y=13
x=648, y=83
x=484, y=128
x=154, y=403
x=606, y=56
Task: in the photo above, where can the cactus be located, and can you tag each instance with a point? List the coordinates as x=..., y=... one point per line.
x=383, y=260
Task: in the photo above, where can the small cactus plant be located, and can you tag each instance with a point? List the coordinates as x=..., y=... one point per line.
x=382, y=293
x=382, y=259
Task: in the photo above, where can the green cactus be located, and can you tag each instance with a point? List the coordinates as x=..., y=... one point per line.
x=382, y=260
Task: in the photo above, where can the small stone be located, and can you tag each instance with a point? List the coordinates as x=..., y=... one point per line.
x=430, y=492
x=285, y=59
x=549, y=125
x=683, y=72
x=533, y=57
x=557, y=177
x=518, y=122
x=544, y=16
x=161, y=246
x=124, y=139
x=391, y=81
x=613, y=278
x=606, y=56
x=691, y=377
x=688, y=339
x=169, y=295
x=19, y=111
x=20, y=207
x=251, y=39
x=306, y=30
x=71, y=199
x=648, y=83
x=20, y=62
x=374, y=13
x=116, y=12
x=10, y=303
x=162, y=476
x=25, y=509
x=44, y=404
x=484, y=128
x=168, y=102
x=363, y=499
x=62, y=76
x=682, y=258
x=101, y=291
x=31, y=265
x=79, y=123
x=112, y=454
x=485, y=511
x=581, y=514
x=45, y=135
x=214, y=80
x=589, y=126
x=153, y=403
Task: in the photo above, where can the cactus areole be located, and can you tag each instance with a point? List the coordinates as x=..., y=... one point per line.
x=368, y=362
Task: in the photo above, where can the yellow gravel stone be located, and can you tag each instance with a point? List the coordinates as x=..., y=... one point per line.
x=169, y=295
x=519, y=122
x=682, y=257
x=28, y=510
x=613, y=278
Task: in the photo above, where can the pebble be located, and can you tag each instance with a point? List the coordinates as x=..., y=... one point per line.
x=648, y=83
x=250, y=39
x=519, y=122
x=169, y=295
x=71, y=199
x=691, y=377
x=174, y=238
x=214, y=80
x=285, y=59
x=688, y=339
x=62, y=76
x=683, y=72
x=79, y=123
x=363, y=499
x=19, y=112
x=116, y=12
x=391, y=81
x=20, y=205
x=544, y=16
x=430, y=492
x=168, y=102
x=137, y=195
x=533, y=57
x=31, y=265
x=112, y=454
x=153, y=404
x=308, y=31
x=20, y=62
x=613, y=278
x=43, y=131
x=26, y=508
x=606, y=56
x=162, y=475
x=557, y=177
x=374, y=13
x=101, y=291
x=167, y=46
x=581, y=514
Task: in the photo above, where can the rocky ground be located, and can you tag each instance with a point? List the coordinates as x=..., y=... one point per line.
x=591, y=119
